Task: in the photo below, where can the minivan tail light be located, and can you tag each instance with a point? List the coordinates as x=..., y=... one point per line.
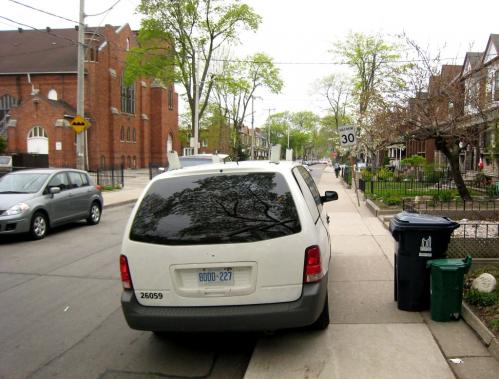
x=126, y=279
x=312, y=271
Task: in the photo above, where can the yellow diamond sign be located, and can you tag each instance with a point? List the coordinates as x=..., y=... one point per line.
x=79, y=124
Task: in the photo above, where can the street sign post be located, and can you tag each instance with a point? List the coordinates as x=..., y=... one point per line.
x=347, y=135
x=348, y=139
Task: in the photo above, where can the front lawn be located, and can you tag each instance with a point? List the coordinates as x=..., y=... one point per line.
x=484, y=305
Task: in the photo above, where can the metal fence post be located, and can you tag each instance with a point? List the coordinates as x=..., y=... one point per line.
x=122, y=176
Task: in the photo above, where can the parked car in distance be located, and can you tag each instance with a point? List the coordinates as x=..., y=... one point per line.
x=5, y=164
x=228, y=247
x=33, y=201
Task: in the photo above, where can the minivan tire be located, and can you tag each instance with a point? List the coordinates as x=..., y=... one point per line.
x=95, y=214
x=39, y=226
x=323, y=321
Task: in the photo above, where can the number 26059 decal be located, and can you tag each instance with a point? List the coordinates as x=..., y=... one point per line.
x=151, y=295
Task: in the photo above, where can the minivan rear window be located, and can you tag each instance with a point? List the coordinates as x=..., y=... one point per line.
x=216, y=208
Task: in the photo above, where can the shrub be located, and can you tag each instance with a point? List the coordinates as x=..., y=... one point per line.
x=366, y=174
x=384, y=174
x=391, y=199
x=494, y=324
x=481, y=299
x=492, y=191
x=430, y=174
x=445, y=195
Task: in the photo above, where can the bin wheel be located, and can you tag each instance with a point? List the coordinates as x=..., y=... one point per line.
x=395, y=294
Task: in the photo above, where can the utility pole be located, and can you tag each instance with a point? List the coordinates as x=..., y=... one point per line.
x=268, y=129
x=197, y=88
x=80, y=89
x=253, y=127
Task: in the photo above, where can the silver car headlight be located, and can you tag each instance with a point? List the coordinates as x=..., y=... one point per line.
x=16, y=209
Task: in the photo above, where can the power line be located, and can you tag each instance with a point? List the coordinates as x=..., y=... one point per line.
x=40, y=31
x=43, y=11
x=107, y=10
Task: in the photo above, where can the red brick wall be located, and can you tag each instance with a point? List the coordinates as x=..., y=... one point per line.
x=152, y=120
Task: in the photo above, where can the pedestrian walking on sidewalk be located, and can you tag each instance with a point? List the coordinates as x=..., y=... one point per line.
x=337, y=169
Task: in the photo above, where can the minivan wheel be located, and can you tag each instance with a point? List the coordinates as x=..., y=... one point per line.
x=323, y=321
x=39, y=226
x=95, y=213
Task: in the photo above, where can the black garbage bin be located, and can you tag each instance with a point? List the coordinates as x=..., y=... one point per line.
x=419, y=238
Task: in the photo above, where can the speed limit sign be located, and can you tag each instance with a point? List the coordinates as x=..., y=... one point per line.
x=347, y=135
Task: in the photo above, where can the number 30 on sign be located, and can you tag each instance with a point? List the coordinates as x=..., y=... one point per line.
x=347, y=135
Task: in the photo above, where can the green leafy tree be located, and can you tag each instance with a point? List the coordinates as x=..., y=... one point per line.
x=177, y=36
x=237, y=85
x=377, y=77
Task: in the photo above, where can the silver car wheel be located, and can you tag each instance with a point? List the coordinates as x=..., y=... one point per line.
x=95, y=214
x=39, y=226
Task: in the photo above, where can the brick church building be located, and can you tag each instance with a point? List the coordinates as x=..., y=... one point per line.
x=134, y=125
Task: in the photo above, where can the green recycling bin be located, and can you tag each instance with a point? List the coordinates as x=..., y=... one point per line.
x=446, y=289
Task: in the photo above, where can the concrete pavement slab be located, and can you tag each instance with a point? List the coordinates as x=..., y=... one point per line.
x=138, y=355
x=456, y=338
x=53, y=313
x=9, y=280
x=366, y=302
x=476, y=368
x=351, y=351
x=348, y=223
x=354, y=245
x=376, y=227
x=387, y=246
x=347, y=268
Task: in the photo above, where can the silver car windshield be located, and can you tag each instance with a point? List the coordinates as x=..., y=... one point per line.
x=22, y=183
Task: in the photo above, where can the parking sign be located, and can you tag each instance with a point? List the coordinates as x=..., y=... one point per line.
x=347, y=135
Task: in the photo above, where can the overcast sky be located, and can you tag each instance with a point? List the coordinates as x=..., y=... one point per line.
x=299, y=34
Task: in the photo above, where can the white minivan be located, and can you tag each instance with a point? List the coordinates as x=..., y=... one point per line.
x=238, y=246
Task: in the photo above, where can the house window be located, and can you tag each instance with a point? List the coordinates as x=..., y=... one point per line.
x=134, y=135
x=127, y=97
x=128, y=134
x=122, y=134
x=496, y=86
x=170, y=97
x=52, y=95
x=6, y=102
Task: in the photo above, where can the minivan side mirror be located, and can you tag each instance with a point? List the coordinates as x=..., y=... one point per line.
x=329, y=196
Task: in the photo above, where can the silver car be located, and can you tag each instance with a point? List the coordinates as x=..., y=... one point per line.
x=32, y=201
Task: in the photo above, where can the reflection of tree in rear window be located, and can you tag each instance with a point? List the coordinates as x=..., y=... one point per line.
x=219, y=208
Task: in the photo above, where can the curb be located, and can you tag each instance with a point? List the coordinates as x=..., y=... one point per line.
x=487, y=337
x=119, y=203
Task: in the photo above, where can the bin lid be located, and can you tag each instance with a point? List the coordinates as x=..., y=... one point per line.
x=415, y=221
x=450, y=264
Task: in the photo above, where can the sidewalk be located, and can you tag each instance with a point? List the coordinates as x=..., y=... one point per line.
x=135, y=182
x=368, y=336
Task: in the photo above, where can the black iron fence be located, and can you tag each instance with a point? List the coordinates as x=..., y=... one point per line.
x=155, y=169
x=110, y=177
x=346, y=174
x=416, y=187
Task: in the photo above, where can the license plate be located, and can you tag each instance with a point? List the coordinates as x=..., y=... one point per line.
x=223, y=276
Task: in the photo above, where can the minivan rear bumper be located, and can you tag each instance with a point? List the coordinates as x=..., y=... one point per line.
x=259, y=317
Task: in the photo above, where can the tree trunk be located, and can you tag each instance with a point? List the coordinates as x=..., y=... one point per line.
x=452, y=154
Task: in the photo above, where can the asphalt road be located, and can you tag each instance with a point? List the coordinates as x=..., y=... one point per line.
x=60, y=314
